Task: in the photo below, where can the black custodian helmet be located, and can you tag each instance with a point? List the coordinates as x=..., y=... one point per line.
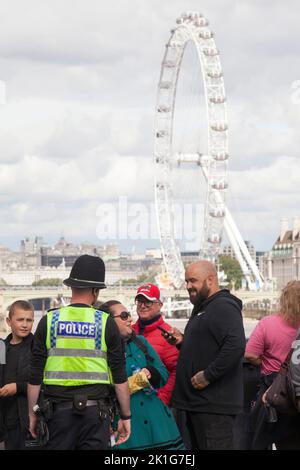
x=87, y=271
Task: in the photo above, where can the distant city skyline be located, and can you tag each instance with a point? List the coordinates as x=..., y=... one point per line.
x=127, y=246
x=124, y=246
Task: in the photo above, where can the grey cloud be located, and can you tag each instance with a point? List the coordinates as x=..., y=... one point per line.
x=90, y=70
x=63, y=49
x=74, y=136
x=11, y=149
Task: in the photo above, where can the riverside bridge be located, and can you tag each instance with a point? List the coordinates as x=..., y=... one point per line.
x=174, y=299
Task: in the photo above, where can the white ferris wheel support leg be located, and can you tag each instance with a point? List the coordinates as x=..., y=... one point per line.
x=229, y=223
x=240, y=249
x=236, y=249
x=239, y=246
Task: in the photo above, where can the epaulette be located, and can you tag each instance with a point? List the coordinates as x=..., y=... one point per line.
x=52, y=309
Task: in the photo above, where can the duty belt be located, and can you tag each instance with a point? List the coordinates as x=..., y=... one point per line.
x=68, y=405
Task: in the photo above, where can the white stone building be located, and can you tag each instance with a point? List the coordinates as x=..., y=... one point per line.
x=282, y=263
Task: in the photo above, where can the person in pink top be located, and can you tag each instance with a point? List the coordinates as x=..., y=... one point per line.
x=270, y=343
x=268, y=347
x=149, y=304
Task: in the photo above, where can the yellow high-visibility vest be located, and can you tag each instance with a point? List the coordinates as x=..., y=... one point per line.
x=76, y=347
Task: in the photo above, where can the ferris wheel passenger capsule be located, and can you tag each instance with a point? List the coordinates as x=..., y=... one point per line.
x=163, y=109
x=217, y=213
x=220, y=156
x=206, y=34
x=169, y=64
x=221, y=184
x=215, y=74
x=201, y=22
x=161, y=134
x=218, y=99
x=175, y=44
x=214, y=238
x=210, y=51
x=165, y=85
x=219, y=127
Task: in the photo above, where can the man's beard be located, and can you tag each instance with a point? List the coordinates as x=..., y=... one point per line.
x=201, y=295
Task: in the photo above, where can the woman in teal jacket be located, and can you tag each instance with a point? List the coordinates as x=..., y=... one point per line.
x=152, y=423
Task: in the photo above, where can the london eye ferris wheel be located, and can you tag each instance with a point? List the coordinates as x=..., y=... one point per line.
x=193, y=28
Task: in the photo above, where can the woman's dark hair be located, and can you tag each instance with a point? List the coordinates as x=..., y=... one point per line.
x=106, y=306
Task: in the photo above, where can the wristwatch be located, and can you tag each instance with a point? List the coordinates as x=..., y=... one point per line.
x=125, y=417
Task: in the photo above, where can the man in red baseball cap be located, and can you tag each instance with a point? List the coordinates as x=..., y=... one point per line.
x=149, y=304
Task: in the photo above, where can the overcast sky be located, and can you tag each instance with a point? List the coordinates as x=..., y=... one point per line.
x=76, y=121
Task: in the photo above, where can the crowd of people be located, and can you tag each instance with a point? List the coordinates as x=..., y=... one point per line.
x=91, y=379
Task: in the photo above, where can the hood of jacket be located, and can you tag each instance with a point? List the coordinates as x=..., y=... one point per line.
x=222, y=294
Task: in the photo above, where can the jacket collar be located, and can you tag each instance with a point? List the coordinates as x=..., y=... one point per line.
x=27, y=338
x=225, y=293
x=149, y=325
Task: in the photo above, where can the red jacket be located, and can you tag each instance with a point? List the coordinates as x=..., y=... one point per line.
x=167, y=353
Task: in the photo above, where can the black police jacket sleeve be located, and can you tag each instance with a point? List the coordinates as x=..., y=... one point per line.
x=115, y=352
x=22, y=388
x=226, y=325
x=39, y=353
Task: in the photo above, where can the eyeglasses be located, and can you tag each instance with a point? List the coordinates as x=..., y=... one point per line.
x=123, y=315
x=147, y=303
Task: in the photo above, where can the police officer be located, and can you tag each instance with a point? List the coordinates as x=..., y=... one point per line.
x=77, y=355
